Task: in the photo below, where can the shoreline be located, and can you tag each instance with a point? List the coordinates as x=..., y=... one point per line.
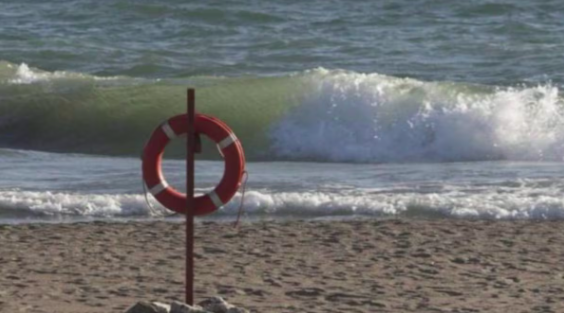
x=391, y=265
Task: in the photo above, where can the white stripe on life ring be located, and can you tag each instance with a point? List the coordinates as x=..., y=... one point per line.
x=158, y=188
x=168, y=131
x=227, y=141
x=215, y=199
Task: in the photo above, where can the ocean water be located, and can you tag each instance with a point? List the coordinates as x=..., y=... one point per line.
x=345, y=108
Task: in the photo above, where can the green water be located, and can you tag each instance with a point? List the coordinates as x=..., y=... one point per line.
x=478, y=41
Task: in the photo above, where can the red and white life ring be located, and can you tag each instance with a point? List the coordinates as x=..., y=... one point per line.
x=227, y=142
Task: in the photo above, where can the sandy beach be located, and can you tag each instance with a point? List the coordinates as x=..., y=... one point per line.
x=294, y=266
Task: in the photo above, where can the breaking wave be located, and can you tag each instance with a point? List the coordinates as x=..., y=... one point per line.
x=316, y=115
x=263, y=204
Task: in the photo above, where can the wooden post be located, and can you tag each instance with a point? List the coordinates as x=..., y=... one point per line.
x=190, y=152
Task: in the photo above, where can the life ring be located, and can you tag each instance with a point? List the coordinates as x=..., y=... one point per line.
x=226, y=141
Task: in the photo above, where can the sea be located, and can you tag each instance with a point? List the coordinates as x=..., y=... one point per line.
x=345, y=109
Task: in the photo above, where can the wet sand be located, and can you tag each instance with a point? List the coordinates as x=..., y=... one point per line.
x=313, y=266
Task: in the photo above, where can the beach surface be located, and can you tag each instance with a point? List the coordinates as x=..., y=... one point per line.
x=288, y=266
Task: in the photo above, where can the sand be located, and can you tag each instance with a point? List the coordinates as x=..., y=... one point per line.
x=295, y=266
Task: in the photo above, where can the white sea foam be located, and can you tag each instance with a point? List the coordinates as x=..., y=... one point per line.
x=87, y=205
x=488, y=203
x=355, y=117
x=23, y=74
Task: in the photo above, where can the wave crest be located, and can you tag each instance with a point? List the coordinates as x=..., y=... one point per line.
x=321, y=115
x=351, y=117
